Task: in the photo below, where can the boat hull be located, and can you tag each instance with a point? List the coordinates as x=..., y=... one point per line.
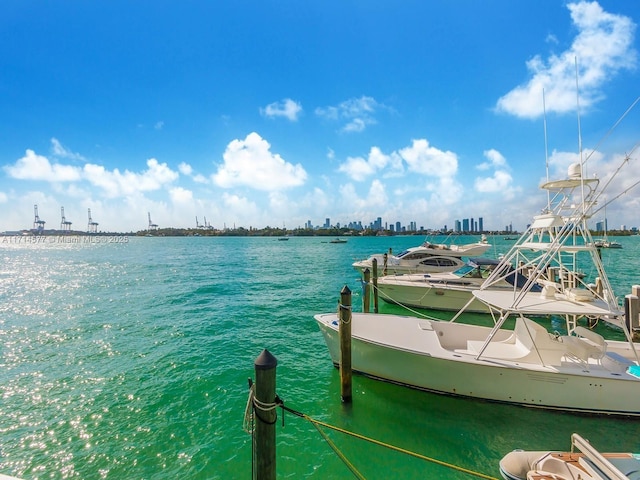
x=434, y=297
x=407, y=351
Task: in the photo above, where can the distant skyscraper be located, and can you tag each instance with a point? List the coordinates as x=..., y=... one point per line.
x=327, y=222
x=465, y=224
x=480, y=225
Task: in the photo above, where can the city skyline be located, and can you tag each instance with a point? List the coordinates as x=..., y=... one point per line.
x=469, y=225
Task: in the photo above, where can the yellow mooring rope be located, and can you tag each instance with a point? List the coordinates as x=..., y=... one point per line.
x=318, y=424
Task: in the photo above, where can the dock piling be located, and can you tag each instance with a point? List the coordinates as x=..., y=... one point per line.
x=344, y=332
x=375, y=285
x=265, y=414
x=366, y=291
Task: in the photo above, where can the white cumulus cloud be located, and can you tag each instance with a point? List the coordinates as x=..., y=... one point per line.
x=185, y=168
x=358, y=168
x=602, y=47
x=251, y=163
x=180, y=195
x=58, y=150
x=38, y=167
x=356, y=113
x=286, y=108
x=424, y=159
x=499, y=182
x=495, y=160
x=115, y=183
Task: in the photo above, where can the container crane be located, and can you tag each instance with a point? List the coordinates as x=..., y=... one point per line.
x=152, y=226
x=65, y=225
x=37, y=223
x=92, y=227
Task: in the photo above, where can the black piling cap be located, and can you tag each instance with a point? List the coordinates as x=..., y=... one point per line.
x=265, y=361
x=345, y=290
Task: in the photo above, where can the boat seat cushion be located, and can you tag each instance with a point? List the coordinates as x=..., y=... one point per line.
x=504, y=350
x=532, y=344
x=585, y=344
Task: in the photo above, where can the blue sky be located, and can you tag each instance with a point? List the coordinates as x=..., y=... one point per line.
x=274, y=113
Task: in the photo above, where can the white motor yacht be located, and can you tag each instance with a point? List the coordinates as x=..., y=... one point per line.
x=426, y=258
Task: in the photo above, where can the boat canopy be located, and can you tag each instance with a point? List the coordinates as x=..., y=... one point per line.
x=537, y=303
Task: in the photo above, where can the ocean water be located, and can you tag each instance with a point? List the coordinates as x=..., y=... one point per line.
x=132, y=359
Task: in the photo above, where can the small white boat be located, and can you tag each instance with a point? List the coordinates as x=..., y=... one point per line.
x=607, y=244
x=426, y=258
x=449, y=290
x=583, y=462
x=604, y=242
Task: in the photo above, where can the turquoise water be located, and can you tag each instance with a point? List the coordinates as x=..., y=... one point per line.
x=130, y=360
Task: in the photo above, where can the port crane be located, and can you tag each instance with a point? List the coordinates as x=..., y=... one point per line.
x=65, y=225
x=92, y=227
x=37, y=223
x=152, y=226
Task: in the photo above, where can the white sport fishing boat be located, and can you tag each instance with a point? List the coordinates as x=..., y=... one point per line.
x=426, y=258
x=446, y=291
x=525, y=365
x=583, y=462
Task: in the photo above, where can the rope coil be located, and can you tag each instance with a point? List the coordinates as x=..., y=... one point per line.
x=254, y=406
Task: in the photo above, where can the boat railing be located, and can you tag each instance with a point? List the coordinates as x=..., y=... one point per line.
x=596, y=458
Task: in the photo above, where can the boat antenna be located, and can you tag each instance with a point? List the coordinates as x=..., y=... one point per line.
x=546, y=147
x=578, y=111
x=582, y=166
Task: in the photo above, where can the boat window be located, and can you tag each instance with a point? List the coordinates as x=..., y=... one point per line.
x=447, y=262
x=464, y=271
x=431, y=262
x=417, y=256
x=439, y=262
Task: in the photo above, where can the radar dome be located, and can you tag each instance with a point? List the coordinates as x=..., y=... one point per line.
x=575, y=170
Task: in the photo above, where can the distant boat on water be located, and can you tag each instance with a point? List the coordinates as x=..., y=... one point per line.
x=605, y=242
x=338, y=240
